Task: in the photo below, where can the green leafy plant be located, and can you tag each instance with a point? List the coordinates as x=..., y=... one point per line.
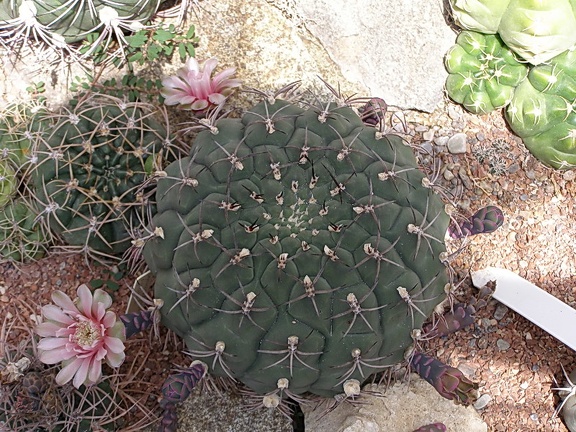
x=148, y=45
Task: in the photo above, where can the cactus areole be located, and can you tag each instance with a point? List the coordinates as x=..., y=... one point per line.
x=300, y=251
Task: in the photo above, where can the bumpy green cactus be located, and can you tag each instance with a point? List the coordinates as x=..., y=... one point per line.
x=61, y=22
x=542, y=111
x=8, y=182
x=22, y=238
x=483, y=72
x=299, y=249
x=91, y=164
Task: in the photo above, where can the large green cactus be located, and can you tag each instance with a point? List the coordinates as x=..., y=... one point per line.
x=542, y=111
x=300, y=249
x=61, y=22
x=91, y=164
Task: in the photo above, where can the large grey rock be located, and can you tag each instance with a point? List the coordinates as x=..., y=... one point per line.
x=395, y=48
x=403, y=407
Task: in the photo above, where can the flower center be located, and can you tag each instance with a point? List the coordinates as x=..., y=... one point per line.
x=86, y=333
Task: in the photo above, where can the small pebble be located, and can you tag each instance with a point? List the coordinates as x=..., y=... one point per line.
x=513, y=168
x=569, y=175
x=480, y=136
x=531, y=174
x=454, y=113
x=441, y=141
x=421, y=128
x=502, y=345
x=426, y=147
x=457, y=143
x=448, y=175
x=534, y=417
x=428, y=135
x=482, y=401
x=500, y=311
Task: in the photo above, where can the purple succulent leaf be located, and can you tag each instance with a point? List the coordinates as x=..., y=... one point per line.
x=177, y=387
x=460, y=316
x=486, y=220
x=137, y=322
x=433, y=427
x=373, y=112
x=169, y=421
x=447, y=380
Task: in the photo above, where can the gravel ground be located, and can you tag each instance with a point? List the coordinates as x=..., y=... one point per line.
x=513, y=361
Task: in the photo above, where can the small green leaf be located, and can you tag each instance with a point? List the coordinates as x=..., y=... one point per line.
x=161, y=35
x=168, y=50
x=112, y=286
x=135, y=57
x=182, y=51
x=118, y=275
x=96, y=283
x=191, y=50
x=190, y=33
x=137, y=40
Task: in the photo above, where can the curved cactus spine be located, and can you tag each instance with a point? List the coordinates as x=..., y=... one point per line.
x=299, y=244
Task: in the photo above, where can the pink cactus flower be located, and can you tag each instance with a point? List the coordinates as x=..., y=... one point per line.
x=194, y=88
x=80, y=334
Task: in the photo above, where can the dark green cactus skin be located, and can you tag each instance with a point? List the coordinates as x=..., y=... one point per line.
x=74, y=20
x=92, y=162
x=22, y=239
x=301, y=214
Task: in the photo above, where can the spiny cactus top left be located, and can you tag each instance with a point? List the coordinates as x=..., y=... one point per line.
x=91, y=164
x=301, y=249
x=60, y=22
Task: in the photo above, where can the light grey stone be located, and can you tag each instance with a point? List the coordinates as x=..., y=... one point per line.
x=226, y=412
x=395, y=49
x=403, y=407
x=482, y=401
x=457, y=143
x=502, y=345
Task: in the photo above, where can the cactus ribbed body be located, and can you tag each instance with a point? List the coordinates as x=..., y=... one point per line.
x=92, y=163
x=21, y=238
x=72, y=21
x=300, y=249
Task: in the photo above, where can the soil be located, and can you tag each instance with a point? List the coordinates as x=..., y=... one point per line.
x=514, y=361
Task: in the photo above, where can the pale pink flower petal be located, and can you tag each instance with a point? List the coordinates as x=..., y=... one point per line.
x=54, y=313
x=81, y=375
x=85, y=301
x=68, y=371
x=194, y=88
x=115, y=359
x=47, y=328
x=80, y=334
x=61, y=299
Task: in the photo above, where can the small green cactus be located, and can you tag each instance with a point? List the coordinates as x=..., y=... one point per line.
x=300, y=249
x=483, y=72
x=22, y=238
x=92, y=163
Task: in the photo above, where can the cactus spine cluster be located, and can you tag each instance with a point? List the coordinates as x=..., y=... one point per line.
x=59, y=23
x=300, y=250
x=92, y=163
